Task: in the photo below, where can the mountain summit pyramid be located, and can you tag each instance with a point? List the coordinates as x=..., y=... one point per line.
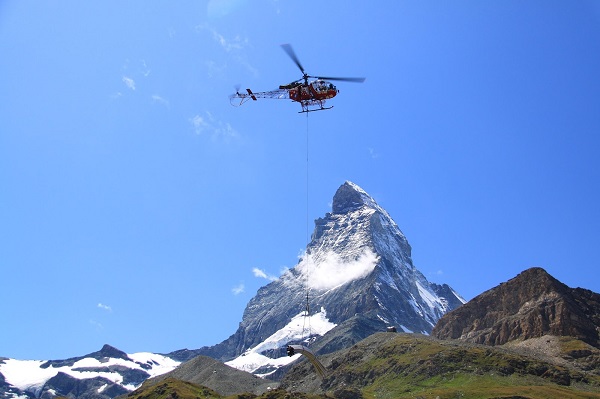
x=358, y=245
x=357, y=271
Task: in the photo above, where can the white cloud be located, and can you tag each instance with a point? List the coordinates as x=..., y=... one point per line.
x=199, y=124
x=262, y=274
x=158, y=99
x=330, y=270
x=104, y=307
x=238, y=289
x=218, y=130
x=130, y=83
x=228, y=44
x=234, y=47
x=237, y=43
x=259, y=273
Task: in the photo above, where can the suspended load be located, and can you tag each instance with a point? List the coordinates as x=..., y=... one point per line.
x=303, y=350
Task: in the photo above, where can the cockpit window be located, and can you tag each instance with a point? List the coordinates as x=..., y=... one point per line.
x=322, y=85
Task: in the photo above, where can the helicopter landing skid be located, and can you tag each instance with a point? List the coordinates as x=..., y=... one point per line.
x=314, y=110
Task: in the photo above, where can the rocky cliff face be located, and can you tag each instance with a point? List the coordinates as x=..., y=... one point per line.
x=530, y=305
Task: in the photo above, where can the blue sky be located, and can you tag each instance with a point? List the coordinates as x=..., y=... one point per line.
x=139, y=208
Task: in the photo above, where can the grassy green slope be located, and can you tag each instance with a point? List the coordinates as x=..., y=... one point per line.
x=171, y=388
x=389, y=365
x=411, y=366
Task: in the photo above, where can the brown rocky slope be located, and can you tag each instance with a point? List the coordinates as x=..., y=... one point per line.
x=531, y=305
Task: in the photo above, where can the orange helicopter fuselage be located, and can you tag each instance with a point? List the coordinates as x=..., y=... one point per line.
x=318, y=90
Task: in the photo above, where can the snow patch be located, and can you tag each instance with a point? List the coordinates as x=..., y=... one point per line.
x=432, y=300
x=251, y=361
x=26, y=374
x=460, y=298
x=160, y=364
x=406, y=329
x=295, y=330
x=415, y=306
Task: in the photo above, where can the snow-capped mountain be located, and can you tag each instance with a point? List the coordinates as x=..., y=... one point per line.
x=106, y=373
x=357, y=263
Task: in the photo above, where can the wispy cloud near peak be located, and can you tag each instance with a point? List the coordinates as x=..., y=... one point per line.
x=262, y=274
x=238, y=289
x=104, y=307
x=330, y=270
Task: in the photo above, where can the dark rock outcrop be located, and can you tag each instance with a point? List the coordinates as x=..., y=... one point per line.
x=90, y=388
x=211, y=373
x=106, y=352
x=530, y=305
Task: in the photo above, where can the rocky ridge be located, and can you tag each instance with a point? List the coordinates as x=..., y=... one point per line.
x=211, y=373
x=530, y=305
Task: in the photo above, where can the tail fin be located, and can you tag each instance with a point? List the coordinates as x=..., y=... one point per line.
x=251, y=94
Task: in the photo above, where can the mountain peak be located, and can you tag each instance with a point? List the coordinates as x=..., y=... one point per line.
x=111, y=352
x=536, y=274
x=530, y=305
x=350, y=197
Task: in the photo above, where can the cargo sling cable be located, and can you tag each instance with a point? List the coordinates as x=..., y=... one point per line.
x=293, y=349
x=306, y=286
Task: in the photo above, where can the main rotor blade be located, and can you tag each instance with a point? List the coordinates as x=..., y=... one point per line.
x=290, y=51
x=356, y=80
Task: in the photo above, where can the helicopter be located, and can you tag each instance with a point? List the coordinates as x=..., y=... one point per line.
x=311, y=95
